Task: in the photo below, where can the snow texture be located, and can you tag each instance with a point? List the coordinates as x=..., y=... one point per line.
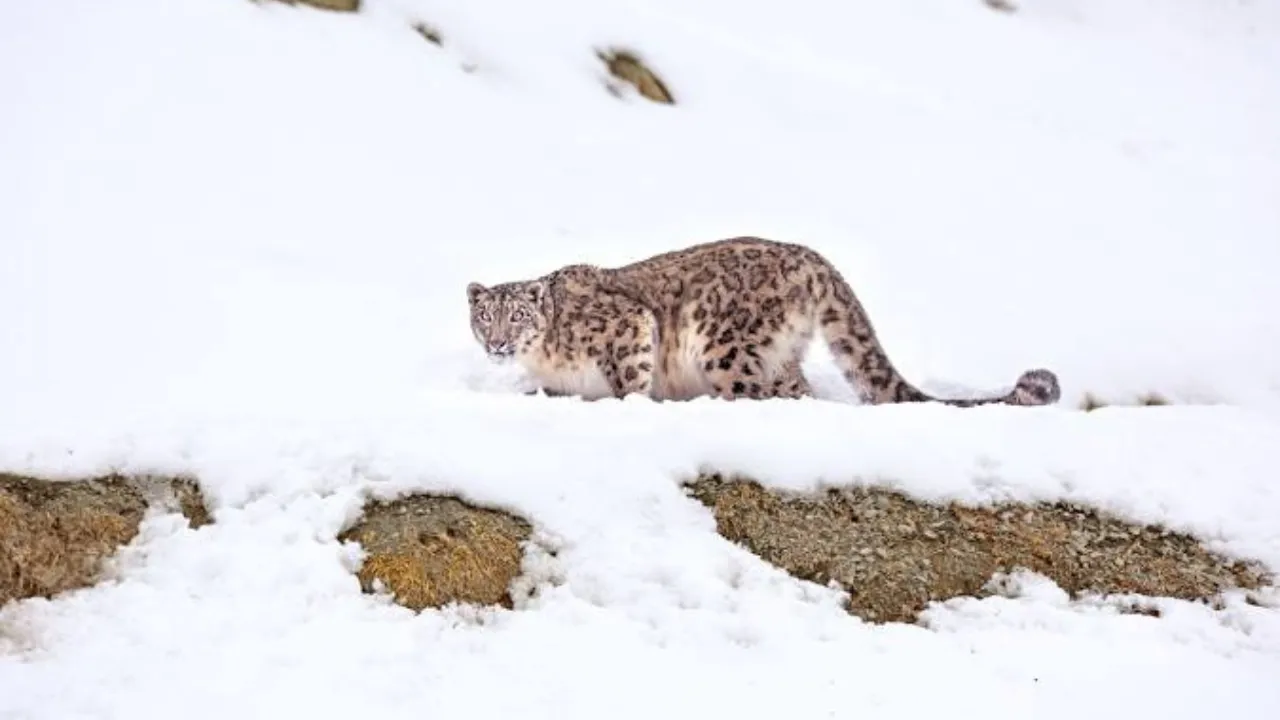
x=236, y=238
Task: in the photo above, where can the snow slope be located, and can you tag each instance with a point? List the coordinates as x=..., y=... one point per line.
x=236, y=238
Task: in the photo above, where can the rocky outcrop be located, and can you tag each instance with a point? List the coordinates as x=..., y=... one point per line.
x=894, y=555
x=626, y=66
x=429, y=551
x=55, y=535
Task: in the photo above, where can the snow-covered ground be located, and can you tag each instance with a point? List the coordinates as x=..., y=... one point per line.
x=235, y=242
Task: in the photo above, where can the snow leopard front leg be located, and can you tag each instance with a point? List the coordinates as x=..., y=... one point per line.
x=628, y=358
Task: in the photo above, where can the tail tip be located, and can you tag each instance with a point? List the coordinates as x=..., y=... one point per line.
x=1037, y=387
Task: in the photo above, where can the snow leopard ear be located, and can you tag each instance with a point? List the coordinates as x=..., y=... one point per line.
x=474, y=291
x=535, y=291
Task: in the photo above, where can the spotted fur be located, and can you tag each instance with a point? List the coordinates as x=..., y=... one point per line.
x=731, y=318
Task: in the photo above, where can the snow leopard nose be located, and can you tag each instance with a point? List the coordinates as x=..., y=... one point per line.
x=501, y=347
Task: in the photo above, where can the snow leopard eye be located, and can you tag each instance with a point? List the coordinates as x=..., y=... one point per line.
x=485, y=317
x=517, y=316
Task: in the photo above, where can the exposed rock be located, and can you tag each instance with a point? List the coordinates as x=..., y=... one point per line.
x=626, y=66
x=336, y=5
x=429, y=551
x=429, y=33
x=893, y=554
x=1092, y=402
x=54, y=535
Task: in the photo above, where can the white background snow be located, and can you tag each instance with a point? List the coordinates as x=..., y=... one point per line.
x=235, y=241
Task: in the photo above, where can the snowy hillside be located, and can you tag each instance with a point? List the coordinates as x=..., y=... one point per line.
x=236, y=240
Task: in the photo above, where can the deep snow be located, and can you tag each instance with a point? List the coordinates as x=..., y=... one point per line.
x=237, y=238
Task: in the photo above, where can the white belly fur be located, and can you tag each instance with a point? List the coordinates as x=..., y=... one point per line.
x=685, y=378
x=584, y=380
